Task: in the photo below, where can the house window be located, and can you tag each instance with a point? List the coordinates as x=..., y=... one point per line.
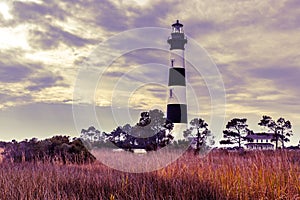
x=267, y=141
x=256, y=140
x=262, y=140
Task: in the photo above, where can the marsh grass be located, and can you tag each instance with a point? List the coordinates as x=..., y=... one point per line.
x=219, y=175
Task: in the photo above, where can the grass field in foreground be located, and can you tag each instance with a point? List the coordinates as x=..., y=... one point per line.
x=219, y=175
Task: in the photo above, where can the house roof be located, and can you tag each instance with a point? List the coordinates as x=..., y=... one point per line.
x=260, y=144
x=261, y=136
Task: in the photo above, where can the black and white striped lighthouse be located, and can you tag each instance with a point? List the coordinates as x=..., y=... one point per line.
x=177, y=106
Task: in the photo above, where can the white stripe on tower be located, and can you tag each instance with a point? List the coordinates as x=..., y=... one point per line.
x=177, y=107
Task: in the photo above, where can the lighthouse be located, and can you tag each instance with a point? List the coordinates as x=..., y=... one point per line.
x=177, y=106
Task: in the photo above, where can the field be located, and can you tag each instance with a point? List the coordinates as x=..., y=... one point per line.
x=219, y=175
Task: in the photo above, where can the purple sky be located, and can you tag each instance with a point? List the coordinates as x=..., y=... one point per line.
x=255, y=45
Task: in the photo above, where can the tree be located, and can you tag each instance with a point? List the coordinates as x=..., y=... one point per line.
x=236, y=132
x=281, y=128
x=187, y=132
x=91, y=134
x=152, y=131
x=149, y=124
x=202, y=133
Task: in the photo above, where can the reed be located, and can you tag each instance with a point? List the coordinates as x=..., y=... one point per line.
x=219, y=175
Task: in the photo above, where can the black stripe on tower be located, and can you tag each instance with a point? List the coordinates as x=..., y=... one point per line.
x=177, y=113
x=177, y=76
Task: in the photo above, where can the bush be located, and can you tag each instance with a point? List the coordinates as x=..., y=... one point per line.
x=57, y=149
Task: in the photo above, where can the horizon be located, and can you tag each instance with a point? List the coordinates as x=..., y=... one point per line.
x=43, y=46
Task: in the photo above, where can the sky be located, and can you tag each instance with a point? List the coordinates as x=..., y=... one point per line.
x=46, y=46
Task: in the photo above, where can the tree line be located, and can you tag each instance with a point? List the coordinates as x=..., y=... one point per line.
x=58, y=149
x=154, y=131
x=237, y=131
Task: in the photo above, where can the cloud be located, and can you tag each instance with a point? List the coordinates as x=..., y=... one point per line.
x=275, y=72
x=36, y=12
x=287, y=17
x=154, y=13
x=255, y=45
x=51, y=36
x=47, y=81
x=44, y=24
x=14, y=73
x=114, y=16
x=9, y=98
x=110, y=17
x=12, y=99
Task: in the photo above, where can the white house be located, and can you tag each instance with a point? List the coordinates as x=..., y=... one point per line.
x=262, y=141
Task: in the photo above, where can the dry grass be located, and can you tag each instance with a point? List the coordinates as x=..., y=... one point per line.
x=220, y=175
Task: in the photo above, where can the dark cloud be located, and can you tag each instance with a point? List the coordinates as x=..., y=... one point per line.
x=115, y=18
x=20, y=69
x=140, y=61
x=43, y=39
x=51, y=36
x=275, y=72
x=286, y=18
x=145, y=56
x=109, y=17
x=278, y=92
x=14, y=73
x=67, y=100
x=33, y=12
x=45, y=34
x=283, y=78
x=202, y=27
x=42, y=82
x=104, y=13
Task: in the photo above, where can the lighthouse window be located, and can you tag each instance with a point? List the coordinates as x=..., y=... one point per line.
x=177, y=30
x=172, y=62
